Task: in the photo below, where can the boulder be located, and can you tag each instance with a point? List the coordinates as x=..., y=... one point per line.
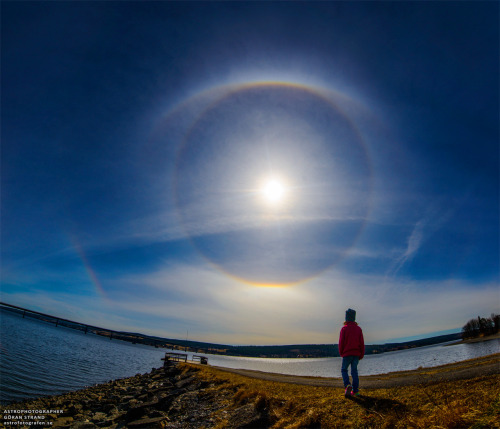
x=247, y=417
x=83, y=425
x=155, y=422
x=140, y=409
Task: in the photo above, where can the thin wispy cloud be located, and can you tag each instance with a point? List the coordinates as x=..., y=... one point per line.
x=413, y=244
x=435, y=219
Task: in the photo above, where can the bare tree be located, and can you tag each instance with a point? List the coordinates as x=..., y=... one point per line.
x=481, y=326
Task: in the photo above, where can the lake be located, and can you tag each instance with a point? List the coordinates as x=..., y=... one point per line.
x=38, y=359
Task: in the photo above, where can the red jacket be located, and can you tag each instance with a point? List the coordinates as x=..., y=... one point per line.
x=351, y=341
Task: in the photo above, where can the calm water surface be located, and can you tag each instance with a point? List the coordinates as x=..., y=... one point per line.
x=38, y=359
x=371, y=364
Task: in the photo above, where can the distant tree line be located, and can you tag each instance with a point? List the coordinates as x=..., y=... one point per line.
x=481, y=326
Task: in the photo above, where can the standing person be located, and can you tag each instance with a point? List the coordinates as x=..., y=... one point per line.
x=352, y=350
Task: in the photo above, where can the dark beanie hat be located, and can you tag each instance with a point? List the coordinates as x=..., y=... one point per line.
x=350, y=315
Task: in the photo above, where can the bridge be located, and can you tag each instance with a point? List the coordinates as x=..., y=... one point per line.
x=112, y=334
x=59, y=321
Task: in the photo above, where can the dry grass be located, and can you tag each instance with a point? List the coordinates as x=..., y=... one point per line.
x=473, y=403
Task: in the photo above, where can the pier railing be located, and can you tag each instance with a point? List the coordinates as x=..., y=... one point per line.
x=201, y=359
x=172, y=357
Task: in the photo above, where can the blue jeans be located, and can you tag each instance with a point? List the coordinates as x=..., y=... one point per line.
x=353, y=362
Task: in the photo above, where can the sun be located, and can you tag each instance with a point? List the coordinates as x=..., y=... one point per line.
x=273, y=191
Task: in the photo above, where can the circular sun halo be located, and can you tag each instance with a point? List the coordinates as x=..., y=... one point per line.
x=273, y=191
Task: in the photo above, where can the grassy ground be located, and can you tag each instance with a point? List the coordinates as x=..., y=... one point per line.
x=472, y=403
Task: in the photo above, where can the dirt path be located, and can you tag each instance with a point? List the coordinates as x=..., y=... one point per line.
x=487, y=365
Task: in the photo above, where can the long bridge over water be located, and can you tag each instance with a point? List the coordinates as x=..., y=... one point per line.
x=86, y=328
x=68, y=323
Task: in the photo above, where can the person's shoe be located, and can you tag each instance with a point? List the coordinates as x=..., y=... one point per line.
x=348, y=391
x=353, y=393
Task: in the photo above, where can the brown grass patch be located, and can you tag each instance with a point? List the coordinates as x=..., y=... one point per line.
x=473, y=403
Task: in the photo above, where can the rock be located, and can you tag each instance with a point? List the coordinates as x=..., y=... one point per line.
x=165, y=400
x=155, y=422
x=125, y=398
x=184, y=382
x=107, y=408
x=132, y=403
x=107, y=424
x=157, y=375
x=73, y=410
x=62, y=422
x=99, y=417
x=166, y=384
x=246, y=417
x=139, y=410
x=156, y=413
x=146, y=401
x=83, y=425
x=158, y=392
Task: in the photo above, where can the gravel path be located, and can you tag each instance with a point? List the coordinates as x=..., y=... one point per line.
x=487, y=365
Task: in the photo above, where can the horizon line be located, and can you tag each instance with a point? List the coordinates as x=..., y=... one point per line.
x=409, y=339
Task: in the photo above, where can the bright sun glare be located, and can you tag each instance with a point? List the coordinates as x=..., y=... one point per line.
x=273, y=191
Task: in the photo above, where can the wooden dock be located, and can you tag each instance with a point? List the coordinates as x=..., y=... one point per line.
x=201, y=359
x=173, y=358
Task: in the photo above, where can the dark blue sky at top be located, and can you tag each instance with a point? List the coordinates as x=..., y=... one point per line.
x=85, y=86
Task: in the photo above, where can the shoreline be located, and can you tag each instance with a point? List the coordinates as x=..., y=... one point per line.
x=191, y=396
x=485, y=365
x=476, y=340
x=177, y=345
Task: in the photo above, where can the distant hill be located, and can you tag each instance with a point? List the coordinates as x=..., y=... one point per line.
x=292, y=350
x=329, y=350
x=276, y=351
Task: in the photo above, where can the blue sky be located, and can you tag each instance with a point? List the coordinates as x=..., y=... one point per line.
x=244, y=172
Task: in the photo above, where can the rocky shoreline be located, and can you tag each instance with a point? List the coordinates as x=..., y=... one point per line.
x=189, y=396
x=171, y=397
